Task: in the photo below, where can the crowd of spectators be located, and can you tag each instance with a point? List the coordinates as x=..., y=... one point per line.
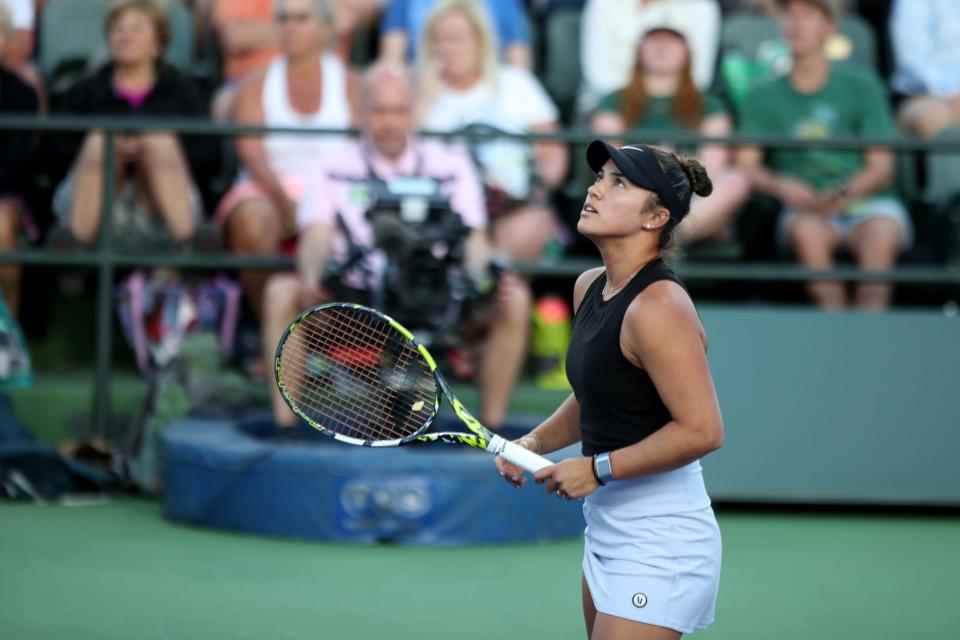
x=809, y=69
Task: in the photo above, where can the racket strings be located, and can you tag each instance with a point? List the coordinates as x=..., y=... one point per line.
x=336, y=407
x=347, y=406
x=378, y=341
x=352, y=373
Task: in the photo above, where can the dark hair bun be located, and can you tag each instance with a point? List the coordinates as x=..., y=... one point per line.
x=699, y=180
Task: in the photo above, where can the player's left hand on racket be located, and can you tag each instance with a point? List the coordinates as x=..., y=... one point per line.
x=510, y=472
x=570, y=479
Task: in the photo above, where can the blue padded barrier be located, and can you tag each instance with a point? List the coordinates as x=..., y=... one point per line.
x=222, y=475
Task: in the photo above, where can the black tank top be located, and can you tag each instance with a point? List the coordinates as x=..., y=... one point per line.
x=619, y=405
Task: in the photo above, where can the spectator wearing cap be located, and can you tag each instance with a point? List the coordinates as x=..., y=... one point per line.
x=926, y=45
x=662, y=96
x=831, y=198
x=611, y=29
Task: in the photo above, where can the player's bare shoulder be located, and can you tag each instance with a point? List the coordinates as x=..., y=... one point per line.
x=663, y=308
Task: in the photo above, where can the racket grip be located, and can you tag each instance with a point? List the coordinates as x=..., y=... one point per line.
x=520, y=456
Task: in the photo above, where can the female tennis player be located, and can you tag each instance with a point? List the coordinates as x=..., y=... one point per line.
x=644, y=408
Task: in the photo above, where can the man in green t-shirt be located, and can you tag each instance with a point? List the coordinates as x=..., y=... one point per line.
x=831, y=198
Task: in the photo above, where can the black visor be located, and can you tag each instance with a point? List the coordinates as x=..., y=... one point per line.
x=638, y=163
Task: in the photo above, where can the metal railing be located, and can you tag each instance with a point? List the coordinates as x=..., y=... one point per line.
x=105, y=260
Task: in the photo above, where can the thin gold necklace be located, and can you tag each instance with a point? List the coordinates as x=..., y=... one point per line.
x=608, y=292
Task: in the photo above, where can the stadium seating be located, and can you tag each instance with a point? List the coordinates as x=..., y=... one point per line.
x=180, y=50
x=941, y=196
x=561, y=64
x=71, y=32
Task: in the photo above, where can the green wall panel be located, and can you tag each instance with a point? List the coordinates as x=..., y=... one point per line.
x=844, y=407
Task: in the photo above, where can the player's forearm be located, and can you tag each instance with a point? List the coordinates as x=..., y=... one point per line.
x=561, y=429
x=668, y=448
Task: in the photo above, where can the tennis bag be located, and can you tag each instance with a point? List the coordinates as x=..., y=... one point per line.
x=182, y=333
x=37, y=472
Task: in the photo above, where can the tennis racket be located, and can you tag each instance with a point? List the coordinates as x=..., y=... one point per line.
x=360, y=377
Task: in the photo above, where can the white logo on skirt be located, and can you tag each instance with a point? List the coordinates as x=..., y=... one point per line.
x=639, y=600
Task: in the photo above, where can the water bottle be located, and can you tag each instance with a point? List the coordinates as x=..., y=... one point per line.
x=548, y=344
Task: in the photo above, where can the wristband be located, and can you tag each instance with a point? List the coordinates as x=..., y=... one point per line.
x=602, y=469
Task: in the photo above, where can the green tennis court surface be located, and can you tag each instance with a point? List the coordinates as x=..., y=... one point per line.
x=120, y=571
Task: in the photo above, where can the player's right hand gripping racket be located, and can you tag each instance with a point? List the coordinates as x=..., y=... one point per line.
x=358, y=376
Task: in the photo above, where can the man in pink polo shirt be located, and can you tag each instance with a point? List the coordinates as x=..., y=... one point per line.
x=343, y=186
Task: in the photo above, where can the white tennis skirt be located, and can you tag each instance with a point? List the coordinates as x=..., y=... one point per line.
x=649, y=564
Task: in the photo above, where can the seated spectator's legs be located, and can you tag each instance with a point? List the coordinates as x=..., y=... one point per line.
x=281, y=298
x=504, y=349
x=10, y=273
x=925, y=116
x=168, y=178
x=162, y=169
x=86, y=199
x=253, y=228
x=522, y=234
x=284, y=297
x=875, y=243
x=814, y=241
x=710, y=217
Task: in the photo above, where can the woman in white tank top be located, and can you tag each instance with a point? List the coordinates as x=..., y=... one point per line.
x=306, y=87
x=289, y=155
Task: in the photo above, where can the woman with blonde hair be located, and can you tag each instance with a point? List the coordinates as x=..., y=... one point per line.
x=661, y=96
x=462, y=85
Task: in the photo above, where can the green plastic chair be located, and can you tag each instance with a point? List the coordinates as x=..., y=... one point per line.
x=71, y=34
x=180, y=48
x=941, y=197
x=943, y=172
x=561, y=67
